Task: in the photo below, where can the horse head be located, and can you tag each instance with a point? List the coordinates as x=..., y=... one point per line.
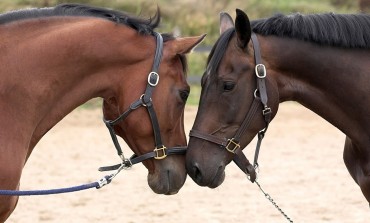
x=156, y=104
x=229, y=89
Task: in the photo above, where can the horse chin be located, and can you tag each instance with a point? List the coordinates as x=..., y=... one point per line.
x=167, y=182
x=164, y=184
x=218, y=180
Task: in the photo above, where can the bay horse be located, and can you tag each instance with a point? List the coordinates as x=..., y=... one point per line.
x=55, y=59
x=321, y=61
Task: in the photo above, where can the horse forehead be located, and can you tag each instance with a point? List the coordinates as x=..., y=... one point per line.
x=173, y=66
x=235, y=61
x=226, y=57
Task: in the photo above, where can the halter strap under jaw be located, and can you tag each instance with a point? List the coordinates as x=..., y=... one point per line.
x=145, y=100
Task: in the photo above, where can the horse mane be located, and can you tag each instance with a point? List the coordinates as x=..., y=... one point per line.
x=339, y=30
x=144, y=26
x=218, y=50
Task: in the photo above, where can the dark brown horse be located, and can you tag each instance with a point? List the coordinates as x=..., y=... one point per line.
x=55, y=59
x=321, y=61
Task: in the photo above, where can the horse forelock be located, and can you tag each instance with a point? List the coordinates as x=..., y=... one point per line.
x=218, y=51
x=340, y=30
x=143, y=26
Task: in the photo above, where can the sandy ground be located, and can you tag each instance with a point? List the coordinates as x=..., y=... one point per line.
x=301, y=168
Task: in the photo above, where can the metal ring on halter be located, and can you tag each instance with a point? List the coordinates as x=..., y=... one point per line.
x=141, y=98
x=256, y=168
x=249, y=177
x=126, y=164
x=255, y=93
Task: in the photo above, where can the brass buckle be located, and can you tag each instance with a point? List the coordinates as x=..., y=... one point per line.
x=160, y=153
x=234, y=144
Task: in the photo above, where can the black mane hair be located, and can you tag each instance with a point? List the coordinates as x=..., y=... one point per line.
x=218, y=50
x=340, y=30
x=337, y=30
x=144, y=26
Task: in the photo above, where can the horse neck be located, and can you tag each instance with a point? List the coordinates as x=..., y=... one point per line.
x=327, y=80
x=66, y=63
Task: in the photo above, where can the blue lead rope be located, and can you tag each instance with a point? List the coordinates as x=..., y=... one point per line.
x=46, y=192
x=98, y=184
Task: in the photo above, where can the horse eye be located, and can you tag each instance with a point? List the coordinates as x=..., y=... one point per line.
x=228, y=86
x=184, y=95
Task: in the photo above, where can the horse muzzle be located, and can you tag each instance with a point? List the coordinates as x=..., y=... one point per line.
x=167, y=178
x=207, y=169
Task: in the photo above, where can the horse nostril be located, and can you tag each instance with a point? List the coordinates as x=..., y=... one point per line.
x=197, y=173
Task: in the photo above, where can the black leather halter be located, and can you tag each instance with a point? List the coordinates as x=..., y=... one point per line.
x=160, y=151
x=232, y=145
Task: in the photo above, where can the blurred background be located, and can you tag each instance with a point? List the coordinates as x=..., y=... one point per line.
x=196, y=17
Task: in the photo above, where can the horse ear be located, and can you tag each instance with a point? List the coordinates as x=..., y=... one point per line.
x=243, y=28
x=226, y=22
x=185, y=45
